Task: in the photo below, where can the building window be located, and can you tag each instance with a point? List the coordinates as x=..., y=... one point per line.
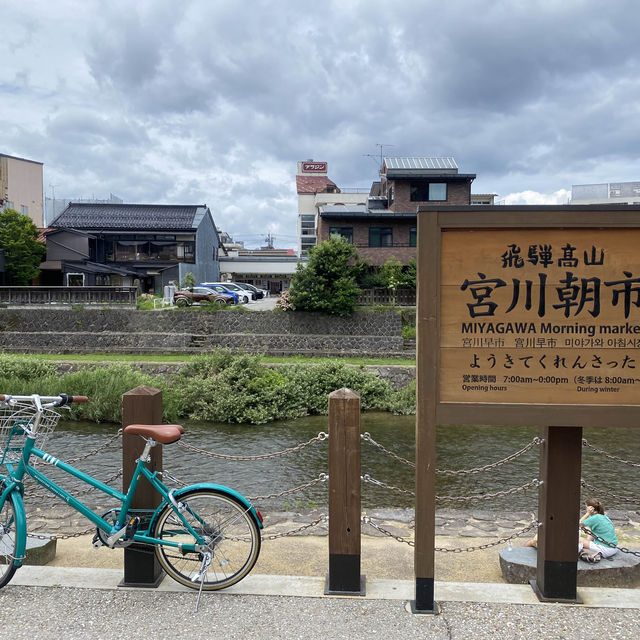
x=75, y=279
x=149, y=248
x=343, y=232
x=24, y=210
x=413, y=237
x=380, y=237
x=428, y=191
x=390, y=196
x=307, y=221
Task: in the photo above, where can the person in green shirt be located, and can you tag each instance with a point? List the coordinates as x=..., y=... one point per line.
x=601, y=535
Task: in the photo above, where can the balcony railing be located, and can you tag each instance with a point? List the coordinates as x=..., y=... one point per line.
x=402, y=296
x=105, y=296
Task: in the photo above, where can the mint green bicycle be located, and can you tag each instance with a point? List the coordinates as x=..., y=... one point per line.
x=206, y=536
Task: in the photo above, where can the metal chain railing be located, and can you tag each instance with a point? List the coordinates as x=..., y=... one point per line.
x=97, y=450
x=366, y=437
x=606, y=544
x=221, y=456
x=61, y=536
x=366, y=478
x=323, y=477
x=451, y=472
x=489, y=496
x=293, y=532
x=479, y=496
x=488, y=467
x=586, y=443
x=597, y=490
x=534, y=524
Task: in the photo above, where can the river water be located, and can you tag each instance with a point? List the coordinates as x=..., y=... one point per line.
x=458, y=447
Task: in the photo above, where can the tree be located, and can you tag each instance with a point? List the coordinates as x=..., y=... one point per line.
x=328, y=281
x=391, y=272
x=189, y=281
x=22, y=251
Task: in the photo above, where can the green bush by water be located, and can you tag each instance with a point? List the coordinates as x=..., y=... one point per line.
x=218, y=387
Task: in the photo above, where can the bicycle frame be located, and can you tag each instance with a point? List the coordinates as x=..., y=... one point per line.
x=169, y=497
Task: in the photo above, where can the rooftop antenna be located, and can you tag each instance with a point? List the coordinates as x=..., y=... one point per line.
x=370, y=155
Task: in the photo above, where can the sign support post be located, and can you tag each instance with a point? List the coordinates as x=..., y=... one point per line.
x=426, y=381
x=558, y=512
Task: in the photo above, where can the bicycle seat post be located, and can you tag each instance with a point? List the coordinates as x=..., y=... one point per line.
x=149, y=444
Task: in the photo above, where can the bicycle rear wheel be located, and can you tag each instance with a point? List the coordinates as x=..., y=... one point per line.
x=230, y=533
x=8, y=540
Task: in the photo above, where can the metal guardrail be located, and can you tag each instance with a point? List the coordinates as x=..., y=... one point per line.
x=68, y=295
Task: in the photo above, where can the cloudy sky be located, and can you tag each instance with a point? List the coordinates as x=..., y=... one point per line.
x=215, y=101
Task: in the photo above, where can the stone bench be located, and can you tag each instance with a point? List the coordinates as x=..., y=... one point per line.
x=38, y=552
x=519, y=565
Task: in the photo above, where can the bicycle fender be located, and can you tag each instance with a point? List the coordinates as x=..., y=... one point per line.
x=222, y=489
x=21, y=523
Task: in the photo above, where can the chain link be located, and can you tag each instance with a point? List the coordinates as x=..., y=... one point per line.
x=293, y=532
x=319, y=438
x=460, y=472
x=481, y=496
x=323, y=477
x=97, y=450
x=366, y=436
x=64, y=536
x=450, y=472
x=586, y=443
x=489, y=496
x=411, y=543
x=606, y=544
x=586, y=485
x=368, y=479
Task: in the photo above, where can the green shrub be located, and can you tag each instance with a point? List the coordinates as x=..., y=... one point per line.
x=236, y=389
x=217, y=387
x=403, y=402
x=20, y=368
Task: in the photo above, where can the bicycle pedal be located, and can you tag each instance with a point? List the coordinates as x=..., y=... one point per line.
x=132, y=527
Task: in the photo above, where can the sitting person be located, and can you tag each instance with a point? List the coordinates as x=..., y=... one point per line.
x=601, y=536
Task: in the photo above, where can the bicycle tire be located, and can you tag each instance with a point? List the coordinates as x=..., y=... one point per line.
x=231, y=533
x=8, y=540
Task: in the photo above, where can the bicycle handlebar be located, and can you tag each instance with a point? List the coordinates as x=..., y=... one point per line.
x=54, y=401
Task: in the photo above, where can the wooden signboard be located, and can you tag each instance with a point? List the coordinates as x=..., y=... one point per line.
x=526, y=316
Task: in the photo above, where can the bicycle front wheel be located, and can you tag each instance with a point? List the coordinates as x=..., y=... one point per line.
x=228, y=529
x=8, y=540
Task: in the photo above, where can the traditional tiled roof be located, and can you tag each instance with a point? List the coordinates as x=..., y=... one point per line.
x=314, y=184
x=81, y=215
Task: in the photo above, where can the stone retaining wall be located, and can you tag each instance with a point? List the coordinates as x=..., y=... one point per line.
x=366, y=333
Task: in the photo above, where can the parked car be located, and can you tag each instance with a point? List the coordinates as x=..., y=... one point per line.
x=186, y=297
x=243, y=295
x=259, y=293
x=222, y=289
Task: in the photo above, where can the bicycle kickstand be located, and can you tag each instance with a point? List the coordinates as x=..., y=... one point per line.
x=206, y=561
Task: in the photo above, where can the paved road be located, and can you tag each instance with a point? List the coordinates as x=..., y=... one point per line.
x=262, y=305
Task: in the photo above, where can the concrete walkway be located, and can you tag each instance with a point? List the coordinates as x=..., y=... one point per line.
x=284, y=598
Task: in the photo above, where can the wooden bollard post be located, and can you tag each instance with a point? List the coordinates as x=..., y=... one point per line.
x=142, y=405
x=344, y=495
x=559, y=512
